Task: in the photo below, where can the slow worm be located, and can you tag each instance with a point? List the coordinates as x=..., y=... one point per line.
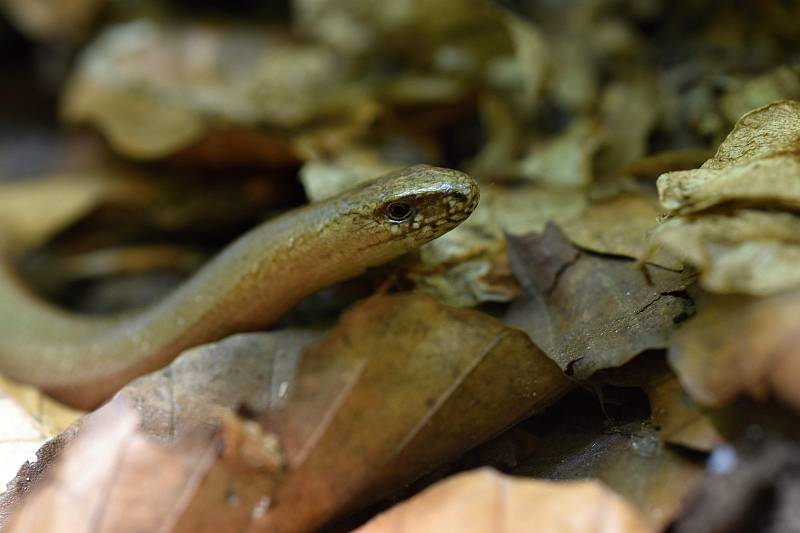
x=83, y=360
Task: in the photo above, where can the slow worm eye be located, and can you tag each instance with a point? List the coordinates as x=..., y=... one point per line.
x=399, y=211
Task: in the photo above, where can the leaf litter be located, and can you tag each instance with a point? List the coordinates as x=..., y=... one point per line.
x=567, y=114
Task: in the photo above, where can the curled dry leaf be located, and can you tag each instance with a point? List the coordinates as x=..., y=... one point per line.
x=756, y=164
x=401, y=385
x=746, y=251
x=113, y=478
x=739, y=346
x=485, y=500
x=737, y=248
x=590, y=312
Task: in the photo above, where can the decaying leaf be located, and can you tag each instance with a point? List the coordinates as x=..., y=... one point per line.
x=620, y=226
x=254, y=371
x=739, y=345
x=112, y=478
x=744, y=251
x=756, y=164
x=678, y=418
x=485, y=500
x=619, y=448
x=589, y=312
x=477, y=247
x=749, y=243
x=401, y=385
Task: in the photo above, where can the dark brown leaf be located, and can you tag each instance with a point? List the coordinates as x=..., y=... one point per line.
x=401, y=385
x=588, y=312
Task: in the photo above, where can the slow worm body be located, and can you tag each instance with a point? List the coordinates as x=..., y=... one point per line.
x=251, y=283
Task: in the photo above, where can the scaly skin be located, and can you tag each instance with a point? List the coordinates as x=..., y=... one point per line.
x=251, y=283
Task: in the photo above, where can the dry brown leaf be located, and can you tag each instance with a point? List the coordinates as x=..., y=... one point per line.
x=628, y=113
x=756, y=164
x=112, y=478
x=471, y=252
x=622, y=451
x=33, y=211
x=679, y=419
x=744, y=251
x=769, y=181
x=485, y=500
x=739, y=345
x=770, y=130
x=589, y=312
x=620, y=226
x=200, y=386
x=401, y=385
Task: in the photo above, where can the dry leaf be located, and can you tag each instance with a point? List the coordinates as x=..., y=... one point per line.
x=52, y=416
x=154, y=89
x=739, y=346
x=679, y=419
x=190, y=395
x=589, y=312
x=620, y=226
x=33, y=211
x=112, y=478
x=620, y=448
x=470, y=255
x=485, y=500
x=756, y=164
x=741, y=250
x=403, y=384
x=744, y=251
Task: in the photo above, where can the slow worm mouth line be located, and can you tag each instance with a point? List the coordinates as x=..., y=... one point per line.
x=247, y=286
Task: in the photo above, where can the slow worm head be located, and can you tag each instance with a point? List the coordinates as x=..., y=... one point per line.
x=251, y=283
